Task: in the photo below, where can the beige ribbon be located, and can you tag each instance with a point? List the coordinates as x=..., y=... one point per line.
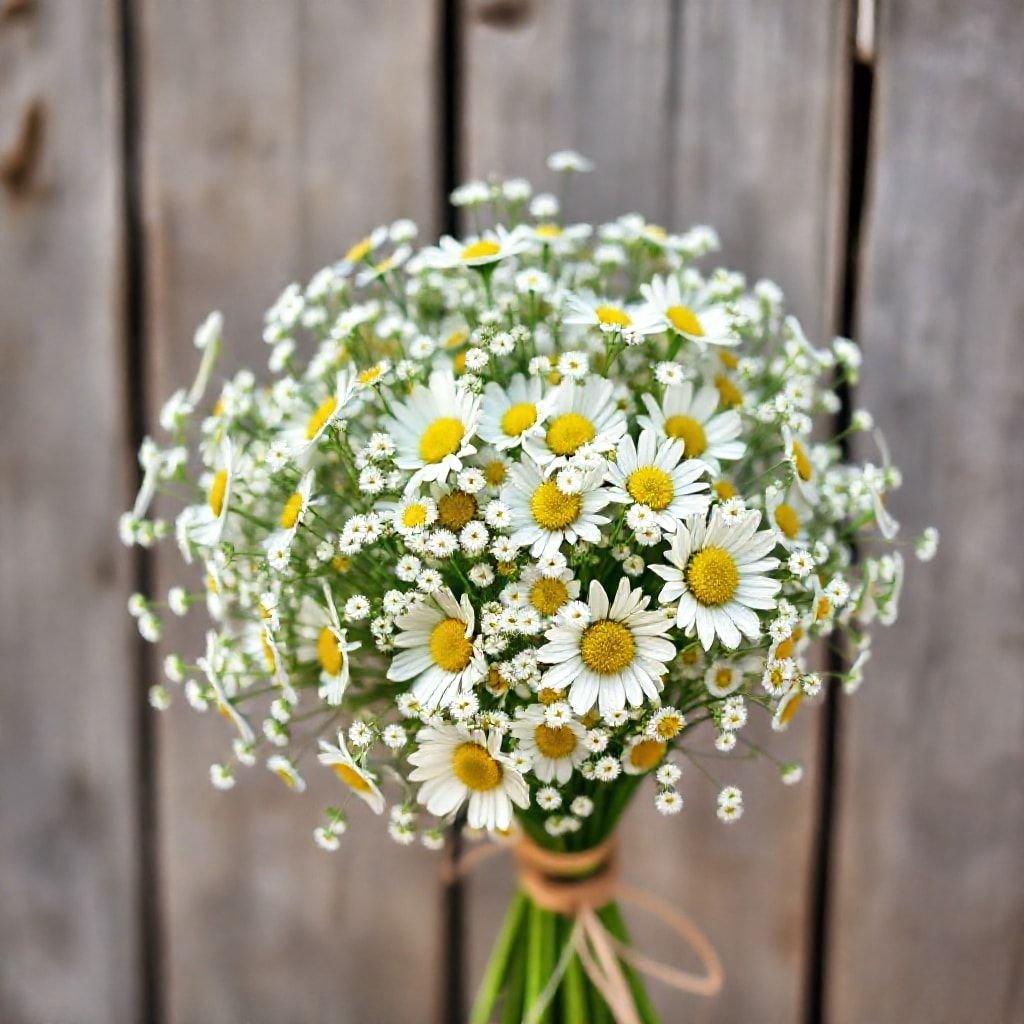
x=576, y=885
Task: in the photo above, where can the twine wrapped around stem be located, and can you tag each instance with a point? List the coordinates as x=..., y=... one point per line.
x=576, y=886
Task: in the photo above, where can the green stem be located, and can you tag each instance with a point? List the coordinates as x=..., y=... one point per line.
x=497, y=966
x=534, y=954
x=574, y=993
x=512, y=1010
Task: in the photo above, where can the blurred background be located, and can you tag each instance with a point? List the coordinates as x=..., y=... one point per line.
x=159, y=158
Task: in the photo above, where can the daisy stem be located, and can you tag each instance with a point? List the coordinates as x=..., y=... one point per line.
x=497, y=968
x=512, y=1010
x=574, y=995
x=538, y=966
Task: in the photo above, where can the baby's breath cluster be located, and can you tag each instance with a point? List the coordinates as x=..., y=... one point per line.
x=511, y=518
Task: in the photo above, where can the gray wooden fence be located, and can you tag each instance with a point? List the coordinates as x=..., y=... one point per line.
x=162, y=157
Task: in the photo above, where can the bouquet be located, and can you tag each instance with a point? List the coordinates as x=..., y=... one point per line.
x=513, y=521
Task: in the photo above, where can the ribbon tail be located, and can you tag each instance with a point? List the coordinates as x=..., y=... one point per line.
x=603, y=969
x=708, y=984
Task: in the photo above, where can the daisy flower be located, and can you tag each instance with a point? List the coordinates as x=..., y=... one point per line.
x=205, y=523
x=642, y=754
x=361, y=782
x=605, y=315
x=326, y=643
x=619, y=657
x=286, y=771
x=485, y=251
x=433, y=429
x=456, y=766
x=554, y=750
x=695, y=321
x=303, y=431
x=211, y=665
x=716, y=572
x=437, y=650
x=580, y=414
x=549, y=594
x=656, y=477
x=292, y=513
x=513, y=413
x=691, y=418
x=805, y=475
x=544, y=517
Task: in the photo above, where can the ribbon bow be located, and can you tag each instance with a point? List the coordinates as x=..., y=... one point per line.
x=576, y=885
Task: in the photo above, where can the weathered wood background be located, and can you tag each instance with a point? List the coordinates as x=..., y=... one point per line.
x=162, y=157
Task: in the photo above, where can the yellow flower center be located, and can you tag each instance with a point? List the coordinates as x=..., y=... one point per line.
x=723, y=678
x=218, y=489
x=788, y=520
x=287, y=777
x=690, y=432
x=728, y=393
x=442, y=438
x=791, y=708
x=726, y=489
x=684, y=320
x=268, y=651
x=414, y=515
x=496, y=682
x=369, y=375
x=459, y=363
x=291, y=511
x=713, y=577
x=455, y=339
x=456, y=509
x=548, y=695
x=341, y=563
x=552, y=509
x=547, y=596
x=803, y=465
x=785, y=649
x=475, y=768
x=495, y=472
x=323, y=413
x=507, y=568
x=669, y=726
x=548, y=231
x=555, y=741
x=353, y=779
x=449, y=646
x=823, y=609
x=485, y=247
x=613, y=315
x=646, y=754
x=607, y=647
x=651, y=487
x=729, y=359
x=569, y=432
x=519, y=418
x=329, y=652
x=359, y=251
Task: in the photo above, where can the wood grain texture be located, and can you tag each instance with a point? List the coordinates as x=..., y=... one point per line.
x=728, y=114
x=68, y=883
x=929, y=910
x=276, y=134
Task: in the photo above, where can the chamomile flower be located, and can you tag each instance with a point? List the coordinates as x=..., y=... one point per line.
x=437, y=650
x=325, y=642
x=286, y=771
x=583, y=414
x=206, y=522
x=459, y=767
x=697, y=322
x=642, y=754
x=606, y=315
x=547, y=593
x=690, y=417
x=488, y=249
x=309, y=423
x=717, y=573
x=336, y=757
x=544, y=517
x=293, y=511
x=434, y=429
x=657, y=478
x=555, y=749
x=619, y=658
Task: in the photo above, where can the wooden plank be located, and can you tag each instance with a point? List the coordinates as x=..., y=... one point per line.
x=928, y=907
x=277, y=134
x=68, y=835
x=725, y=114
